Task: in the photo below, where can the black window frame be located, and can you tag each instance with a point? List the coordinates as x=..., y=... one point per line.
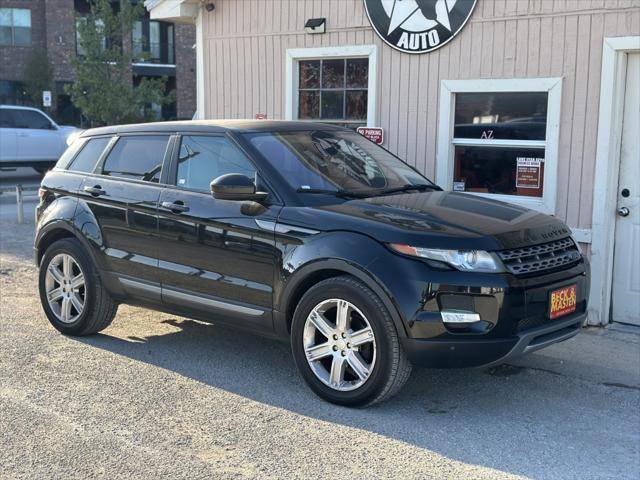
x=171, y=169
x=167, y=42
x=162, y=179
x=344, y=89
x=85, y=141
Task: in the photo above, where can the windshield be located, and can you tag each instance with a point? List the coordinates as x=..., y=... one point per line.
x=334, y=161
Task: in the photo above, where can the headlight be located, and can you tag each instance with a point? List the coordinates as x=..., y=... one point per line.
x=465, y=260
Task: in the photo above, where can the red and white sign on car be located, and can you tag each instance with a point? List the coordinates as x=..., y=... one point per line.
x=375, y=134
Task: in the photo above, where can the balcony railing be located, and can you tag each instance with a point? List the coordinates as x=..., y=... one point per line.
x=153, y=52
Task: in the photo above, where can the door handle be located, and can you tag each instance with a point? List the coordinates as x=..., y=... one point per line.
x=623, y=212
x=96, y=190
x=176, y=207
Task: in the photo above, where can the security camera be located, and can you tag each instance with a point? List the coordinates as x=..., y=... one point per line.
x=209, y=7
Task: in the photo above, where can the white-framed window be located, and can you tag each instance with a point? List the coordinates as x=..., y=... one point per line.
x=499, y=138
x=332, y=84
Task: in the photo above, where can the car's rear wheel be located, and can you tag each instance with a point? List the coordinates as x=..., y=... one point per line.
x=71, y=292
x=345, y=344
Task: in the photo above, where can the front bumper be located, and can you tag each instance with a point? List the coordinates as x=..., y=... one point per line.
x=514, y=316
x=477, y=352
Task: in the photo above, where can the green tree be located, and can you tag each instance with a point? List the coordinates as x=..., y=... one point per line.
x=38, y=75
x=103, y=88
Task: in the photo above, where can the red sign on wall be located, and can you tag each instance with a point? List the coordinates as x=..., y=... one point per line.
x=375, y=134
x=261, y=116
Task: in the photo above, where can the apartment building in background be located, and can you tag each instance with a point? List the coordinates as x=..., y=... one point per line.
x=50, y=25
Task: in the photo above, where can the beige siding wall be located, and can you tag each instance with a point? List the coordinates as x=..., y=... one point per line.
x=246, y=42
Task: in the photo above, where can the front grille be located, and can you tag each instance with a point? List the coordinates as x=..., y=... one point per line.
x=538, y=258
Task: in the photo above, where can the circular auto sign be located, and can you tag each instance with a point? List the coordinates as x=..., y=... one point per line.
x=418, y=26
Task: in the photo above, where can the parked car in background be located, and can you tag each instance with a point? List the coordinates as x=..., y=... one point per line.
x=305, y=232
x=30, y=138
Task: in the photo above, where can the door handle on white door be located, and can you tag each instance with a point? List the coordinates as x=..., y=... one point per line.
x=623, y=212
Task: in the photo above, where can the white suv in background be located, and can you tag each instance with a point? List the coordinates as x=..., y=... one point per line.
x=29, y=138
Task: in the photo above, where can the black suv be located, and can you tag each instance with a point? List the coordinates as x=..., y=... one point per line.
x=305, y=232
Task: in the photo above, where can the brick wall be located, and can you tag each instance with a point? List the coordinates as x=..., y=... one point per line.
x=61, y=37
x=53, y=29
x=185, y=38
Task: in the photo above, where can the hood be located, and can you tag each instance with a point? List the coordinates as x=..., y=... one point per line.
x=435, y=219
x=69, y=128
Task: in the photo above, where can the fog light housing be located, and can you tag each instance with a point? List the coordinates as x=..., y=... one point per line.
x=459, y=316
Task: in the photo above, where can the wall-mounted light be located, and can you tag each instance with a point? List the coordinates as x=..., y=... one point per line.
x=316, y=25
x=209, y=7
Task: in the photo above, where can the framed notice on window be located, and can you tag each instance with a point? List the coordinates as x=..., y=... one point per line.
x=528, y=172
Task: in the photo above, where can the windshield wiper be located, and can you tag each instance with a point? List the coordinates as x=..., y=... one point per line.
x=420, y=187
x=335, y=193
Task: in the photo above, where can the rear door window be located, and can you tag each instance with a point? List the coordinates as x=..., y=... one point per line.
x=137, y=157
x=7, y=118
x=32, y=120
x=86, y=160
x=204, y=158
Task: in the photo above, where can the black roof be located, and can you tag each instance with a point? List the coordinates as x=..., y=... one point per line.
x=212, y=126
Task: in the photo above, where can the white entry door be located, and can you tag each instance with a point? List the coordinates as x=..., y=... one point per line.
x=626, y=267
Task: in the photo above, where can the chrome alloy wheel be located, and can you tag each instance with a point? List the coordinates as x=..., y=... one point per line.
x=339, y=344
x=65, y=288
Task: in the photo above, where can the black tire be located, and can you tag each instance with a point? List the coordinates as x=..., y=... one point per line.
x=391, y=369
x=99, y=308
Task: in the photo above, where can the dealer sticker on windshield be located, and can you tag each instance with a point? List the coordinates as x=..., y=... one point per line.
x=562, y=302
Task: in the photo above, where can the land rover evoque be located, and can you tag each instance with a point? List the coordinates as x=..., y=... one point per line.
x=305, y=232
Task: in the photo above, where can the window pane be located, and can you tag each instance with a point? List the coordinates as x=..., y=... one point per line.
x=309, y=74
x=136, y=39
x=309, y=105
x=507, y=171
x=357, y=73
x=5, y=17
x=5, y=36
x=203, y=159
x=333, y=105
x=32, y=120
x=7, y=118
x=357, y=105
x=22, y=36
x=138, y=157
x=154, y=40
x=21, y=17
x=89, y=155
x=333, y=73
x=333, y=159
x=513, y=116
x=170, y=58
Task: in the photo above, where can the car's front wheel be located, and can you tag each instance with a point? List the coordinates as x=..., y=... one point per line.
x=71, y=291
x=345, y=344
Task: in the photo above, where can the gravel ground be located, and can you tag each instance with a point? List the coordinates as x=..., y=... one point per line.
x=156, y=395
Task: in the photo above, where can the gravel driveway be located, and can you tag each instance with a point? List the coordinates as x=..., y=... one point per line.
x=156, y=395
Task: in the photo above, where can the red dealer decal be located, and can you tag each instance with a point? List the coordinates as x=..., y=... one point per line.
x=375, y=134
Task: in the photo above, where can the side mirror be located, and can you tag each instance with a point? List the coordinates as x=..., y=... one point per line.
x=235, y=186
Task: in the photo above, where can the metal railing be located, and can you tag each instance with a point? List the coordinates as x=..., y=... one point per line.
x=19, y=189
